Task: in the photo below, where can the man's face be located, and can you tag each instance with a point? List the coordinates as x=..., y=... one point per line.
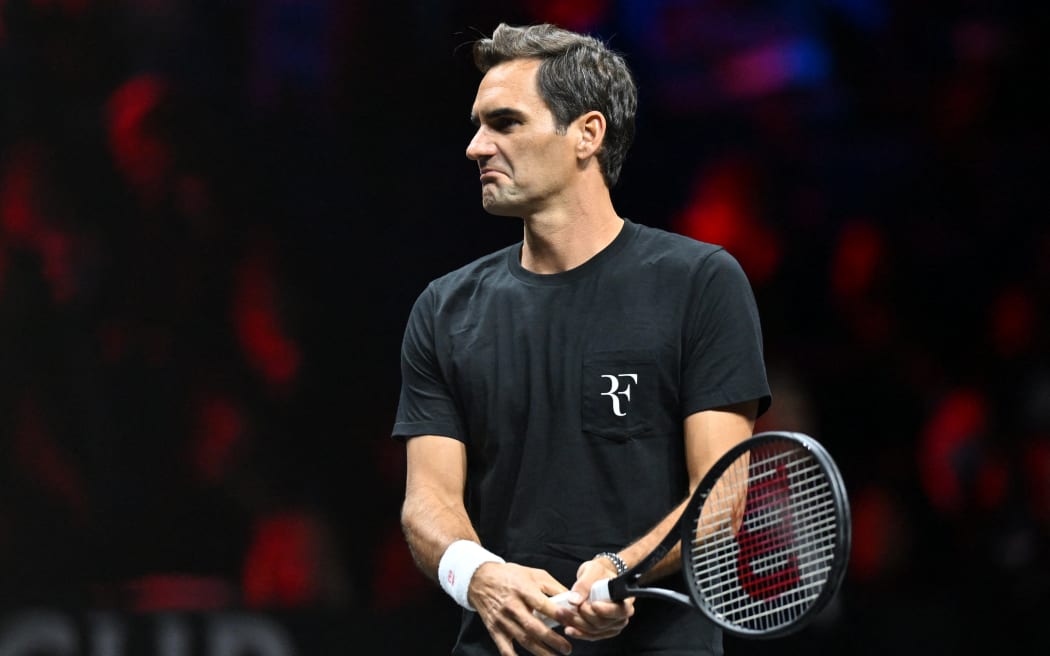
x=525, y=163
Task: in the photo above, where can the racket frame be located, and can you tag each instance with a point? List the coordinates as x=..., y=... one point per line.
x=628, y=584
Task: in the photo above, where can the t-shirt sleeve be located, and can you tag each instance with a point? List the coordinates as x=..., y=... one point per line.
x=426, y=405
x=723, y=358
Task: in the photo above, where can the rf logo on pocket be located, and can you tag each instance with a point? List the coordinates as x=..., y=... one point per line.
x=615, y=392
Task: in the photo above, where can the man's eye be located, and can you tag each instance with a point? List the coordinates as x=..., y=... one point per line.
x=505, y=124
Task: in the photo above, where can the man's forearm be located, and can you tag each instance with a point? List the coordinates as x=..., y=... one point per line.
x=642, y=547
x=430, y=526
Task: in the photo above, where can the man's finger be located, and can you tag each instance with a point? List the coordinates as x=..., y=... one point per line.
x=538, y=631
x=599, y=620
x=504, y=644
x=561, y=608
x=543, y=642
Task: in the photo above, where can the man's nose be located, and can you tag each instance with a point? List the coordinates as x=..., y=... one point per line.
x=480, y=146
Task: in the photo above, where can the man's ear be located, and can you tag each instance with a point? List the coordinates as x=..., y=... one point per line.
x=591, y=126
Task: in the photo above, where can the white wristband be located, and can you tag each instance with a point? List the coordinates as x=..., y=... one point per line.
x=457, y=566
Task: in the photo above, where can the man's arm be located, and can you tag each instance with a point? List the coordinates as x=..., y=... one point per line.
x=504, y=594
x=708, y=435
x=433, y=515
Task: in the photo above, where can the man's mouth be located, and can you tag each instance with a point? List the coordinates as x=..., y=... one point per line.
x=487, y=174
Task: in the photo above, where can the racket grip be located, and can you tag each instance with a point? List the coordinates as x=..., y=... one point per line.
x=599, y=592
x=559, y=599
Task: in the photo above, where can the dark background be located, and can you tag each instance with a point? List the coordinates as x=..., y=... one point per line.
x=216, y=214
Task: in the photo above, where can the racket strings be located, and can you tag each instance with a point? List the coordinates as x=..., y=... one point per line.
x=765, y=538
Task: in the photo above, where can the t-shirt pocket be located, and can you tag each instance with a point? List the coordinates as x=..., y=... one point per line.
x=620, y=394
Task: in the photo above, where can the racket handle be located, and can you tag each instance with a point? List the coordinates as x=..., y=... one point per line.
x=559, y=599
x=599, y=592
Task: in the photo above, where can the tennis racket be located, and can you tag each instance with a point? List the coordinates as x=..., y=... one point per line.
x=765, y=539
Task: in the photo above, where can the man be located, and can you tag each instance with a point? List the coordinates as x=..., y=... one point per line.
x=562, y=395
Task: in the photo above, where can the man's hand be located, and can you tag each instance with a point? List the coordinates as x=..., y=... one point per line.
x=505, y=596
x=600, y=619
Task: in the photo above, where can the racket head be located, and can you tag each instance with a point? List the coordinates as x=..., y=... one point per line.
x=766, y=536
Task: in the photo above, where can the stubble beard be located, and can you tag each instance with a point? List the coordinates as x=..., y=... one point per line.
x=497, y=202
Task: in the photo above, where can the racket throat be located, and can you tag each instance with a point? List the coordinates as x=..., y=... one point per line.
x=620, y=589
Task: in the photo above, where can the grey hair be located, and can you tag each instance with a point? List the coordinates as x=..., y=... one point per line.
x=577, y=74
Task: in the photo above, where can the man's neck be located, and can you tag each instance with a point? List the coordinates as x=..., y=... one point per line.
x=557, y=241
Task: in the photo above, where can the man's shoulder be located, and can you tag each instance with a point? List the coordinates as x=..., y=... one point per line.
x=672, y=245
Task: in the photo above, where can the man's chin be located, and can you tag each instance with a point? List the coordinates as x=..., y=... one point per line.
x=496, y=208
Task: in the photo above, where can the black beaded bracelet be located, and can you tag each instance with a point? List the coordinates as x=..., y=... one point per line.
x=621, y=566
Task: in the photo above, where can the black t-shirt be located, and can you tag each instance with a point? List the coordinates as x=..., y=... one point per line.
x=570, y=389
